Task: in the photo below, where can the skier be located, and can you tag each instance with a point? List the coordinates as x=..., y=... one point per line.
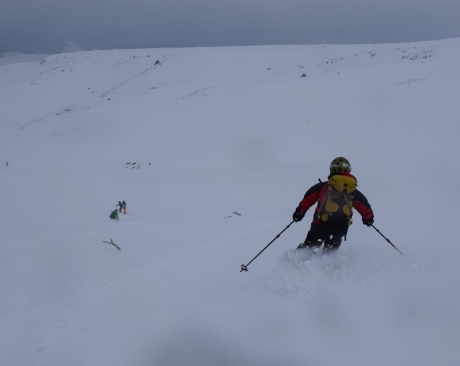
x=333, y=215
x=124, y=207
x=114, y=215
x=120, y=204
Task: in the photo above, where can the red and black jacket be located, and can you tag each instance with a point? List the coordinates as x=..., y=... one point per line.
x=317, y=193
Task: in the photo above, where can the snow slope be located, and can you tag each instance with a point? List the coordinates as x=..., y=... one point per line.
x=209, y=133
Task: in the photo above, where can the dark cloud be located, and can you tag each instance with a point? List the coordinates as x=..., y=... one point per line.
x=47, y=25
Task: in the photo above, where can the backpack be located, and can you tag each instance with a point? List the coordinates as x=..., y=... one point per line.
x=336, y=207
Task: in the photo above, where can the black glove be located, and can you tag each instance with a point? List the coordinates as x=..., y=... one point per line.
x=368, y=222
x=297, y=216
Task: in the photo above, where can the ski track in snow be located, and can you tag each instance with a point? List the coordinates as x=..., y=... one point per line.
x=305, y=272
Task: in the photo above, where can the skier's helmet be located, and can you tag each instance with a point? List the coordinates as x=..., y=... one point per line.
x=340, y=164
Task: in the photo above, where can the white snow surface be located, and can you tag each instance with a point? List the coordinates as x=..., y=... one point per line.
x=213, y=131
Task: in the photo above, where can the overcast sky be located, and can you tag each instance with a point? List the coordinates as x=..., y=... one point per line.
x=32, y=26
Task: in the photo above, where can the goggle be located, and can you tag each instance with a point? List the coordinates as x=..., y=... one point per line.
x=341, y=165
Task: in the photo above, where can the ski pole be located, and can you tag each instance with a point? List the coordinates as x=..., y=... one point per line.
x=388, y=240
x=245, y=267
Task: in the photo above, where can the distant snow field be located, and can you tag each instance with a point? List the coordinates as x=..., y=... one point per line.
x=212, y=149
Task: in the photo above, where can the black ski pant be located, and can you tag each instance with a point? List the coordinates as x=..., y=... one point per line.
x=330, y=235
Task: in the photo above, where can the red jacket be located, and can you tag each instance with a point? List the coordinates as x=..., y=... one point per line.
x=318, y=191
